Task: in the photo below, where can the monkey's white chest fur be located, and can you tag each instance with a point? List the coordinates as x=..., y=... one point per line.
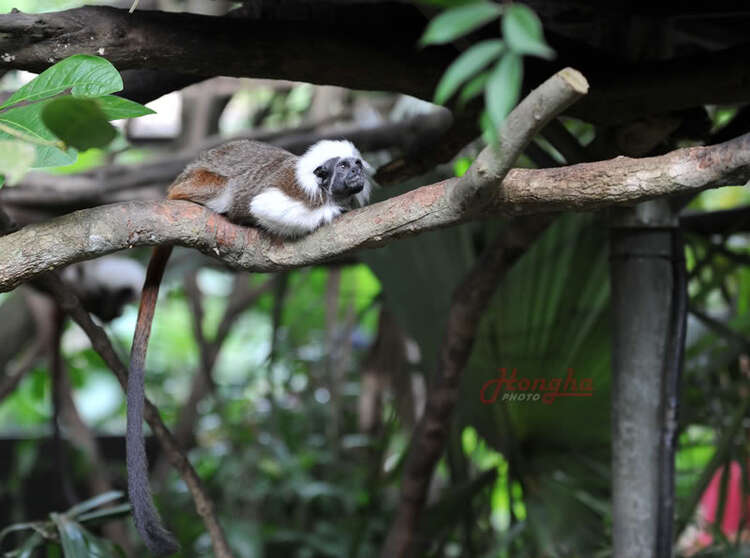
x=285, y=216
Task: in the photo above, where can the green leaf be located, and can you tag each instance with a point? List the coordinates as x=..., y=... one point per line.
x=473, y=88
x=522, y=30
x=465, y=66
x=503, y=88
x=94, y=502
x=16, y=158
x=71, y=537
x=27, y=120
x=459, y=21
x=115, y=108
x=78, y=122
x=85, y=75
x=461, y=165
x=100, y=548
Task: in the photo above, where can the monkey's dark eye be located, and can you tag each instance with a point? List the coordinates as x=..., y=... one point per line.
x=359, y=163
x=343, y=164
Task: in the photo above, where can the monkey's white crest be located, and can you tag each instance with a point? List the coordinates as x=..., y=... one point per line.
x=318, y=154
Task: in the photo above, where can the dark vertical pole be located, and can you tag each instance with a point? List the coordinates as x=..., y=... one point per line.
x=642, y=304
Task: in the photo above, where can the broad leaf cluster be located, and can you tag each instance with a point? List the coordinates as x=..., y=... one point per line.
x=65, y=109
x=492, y=66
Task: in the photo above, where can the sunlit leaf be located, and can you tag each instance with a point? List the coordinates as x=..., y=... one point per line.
x=85, y=75
x=465, y=66
x=115, y=108
x=78, y=122
x=459, y=21
x=522, y=30
x=16, y=158
x=503, y=88
x=461, y=165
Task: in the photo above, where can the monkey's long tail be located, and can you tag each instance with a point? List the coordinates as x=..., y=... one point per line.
x=157, y=538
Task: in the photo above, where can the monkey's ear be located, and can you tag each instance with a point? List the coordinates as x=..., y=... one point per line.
x=321, y=172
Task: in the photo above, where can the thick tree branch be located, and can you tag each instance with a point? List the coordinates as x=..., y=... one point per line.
x=94, y=232
x=364, y=47
x=42, y=190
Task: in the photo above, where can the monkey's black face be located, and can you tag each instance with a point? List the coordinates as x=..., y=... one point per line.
x=342, y=177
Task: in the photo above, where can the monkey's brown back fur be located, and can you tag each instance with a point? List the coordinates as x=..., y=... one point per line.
x=245, y=168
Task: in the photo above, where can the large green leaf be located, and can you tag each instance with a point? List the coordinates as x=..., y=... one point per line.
x=16, y=158
x=465, y=66
x=85, y=75
x=459, y=21
x=503, y=88
x=115, y=108
x=78, y=122
x=522, y=30
x=549, y=315
x=27, y=120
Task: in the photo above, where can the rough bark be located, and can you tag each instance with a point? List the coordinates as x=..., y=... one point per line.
x=94, y=232
x=365, y=47
x=42, y=190
x=373, y=46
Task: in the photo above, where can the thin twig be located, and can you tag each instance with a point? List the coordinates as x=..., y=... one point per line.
x=102, y=345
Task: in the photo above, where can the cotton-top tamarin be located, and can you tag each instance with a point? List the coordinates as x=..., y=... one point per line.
x=252, y=184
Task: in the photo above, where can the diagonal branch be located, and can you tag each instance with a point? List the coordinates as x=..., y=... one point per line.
x=522, y=124
x=94, y=232
x=102, y=345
